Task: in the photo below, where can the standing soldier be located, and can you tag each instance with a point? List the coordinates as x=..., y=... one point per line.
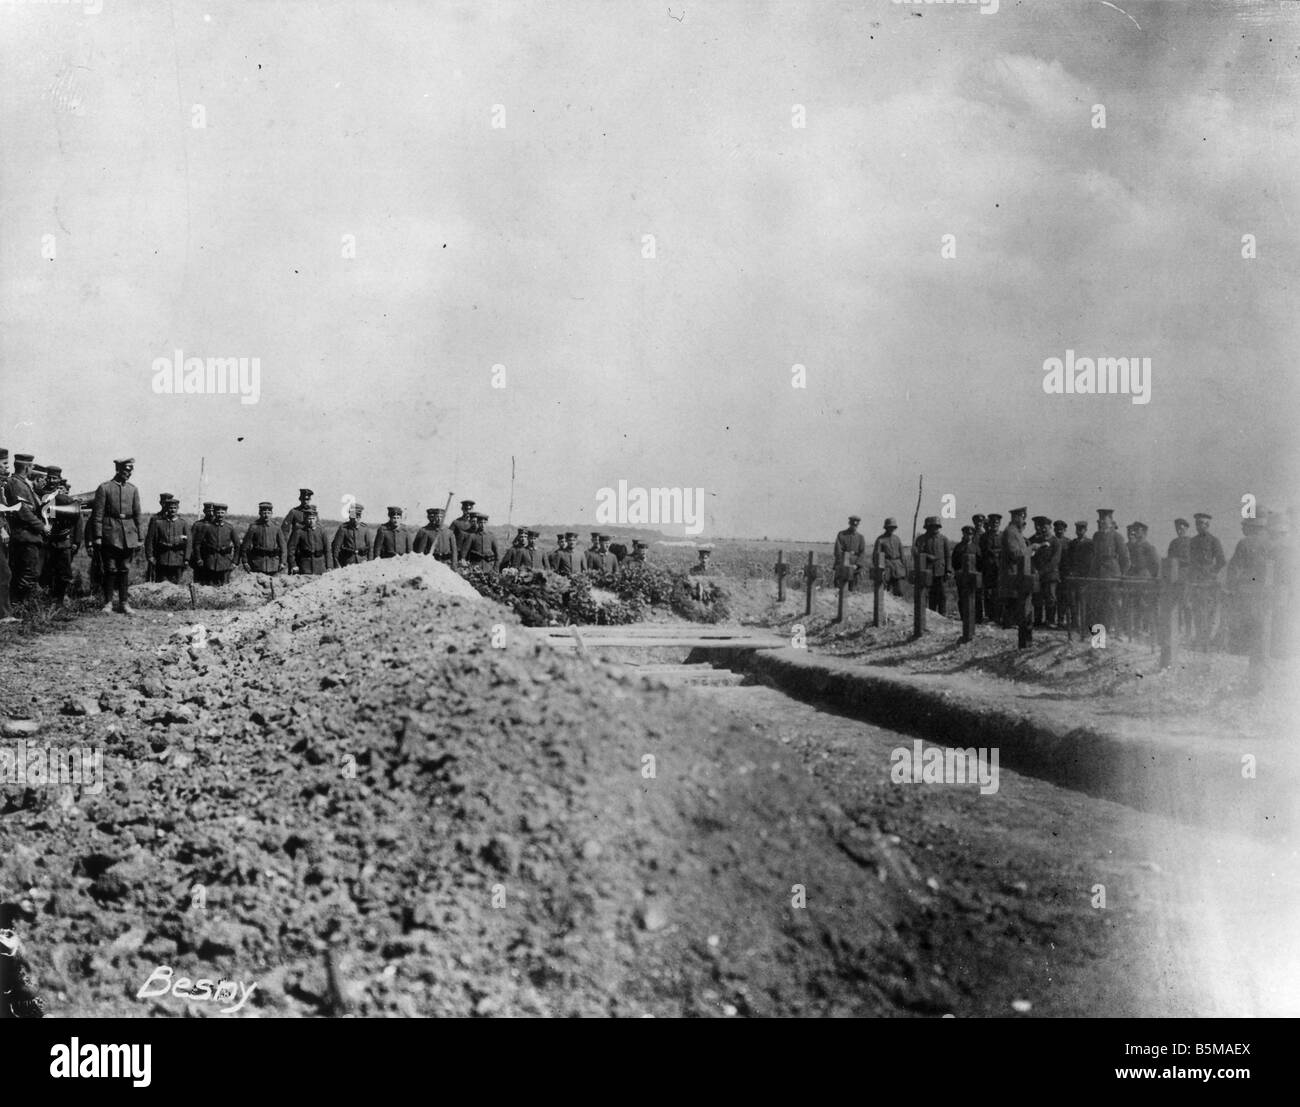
x=481, y=547
x=1045, y=555
x=606, y=562
x=310, y=553
x=264, y=548
x=891, y=546
x=1180, y=549
x=167, y=544
x=115, y=525
x=297, y=516
x=850, y=547
x=702, y=567
x=534, y=554
x=1079, y=556
x=938, y=559
x=990, y=556
x=6, y=610
x=1109, y=563
x=196, y=537
x=1247, y=577
x=1143, y=564
x=353, y=541
x=435, y=539
x=1061, y=529
x=965, y=563
x=27, y=529
x=150, y=572
x=463, y=527
x=977, y=524
x=639, y=548
x=67, y=532
x=391, y=538
x=1205, y=563
x=1015, y=578
x=515, y=557
x=218, y=548
x=560, y=560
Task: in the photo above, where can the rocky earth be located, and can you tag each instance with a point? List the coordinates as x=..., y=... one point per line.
x=379, y=796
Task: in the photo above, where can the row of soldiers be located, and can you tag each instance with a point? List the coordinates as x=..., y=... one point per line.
x=42, y=528
x=1025, y=581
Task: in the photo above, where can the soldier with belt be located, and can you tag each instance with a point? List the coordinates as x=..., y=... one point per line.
x=463, y=527
x=891, y=546
x=391, y=538
x=196, y=536
x=352, y=542
x=310, y=553
x=561, y=560
x=1060, y=530
x=115, y=525
x=1247, y=589
x=1015, y=578
x=167, y=543
x=436, y=540
x=150, y=574
x=6, y=610
x=702, y=568
x=534, y=554
x=27, y=529
x=965, y=564
x=938, y=559
x=514, y=558
x=1109, y=562
x=990, y=556
x=1078, y=556
x=978, y=523
x=638, y=551
x=850, y=549
x=219, y=548
x=264, y=548
x=481, y=547
x=67, y=533
x=606, y=564
x=1045, y=557
x=296, y=517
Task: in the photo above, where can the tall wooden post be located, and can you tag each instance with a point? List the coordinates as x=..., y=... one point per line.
x=919, y=573
x=839, y=606
x=810, y=575
x=781, y=568
x=878, y=588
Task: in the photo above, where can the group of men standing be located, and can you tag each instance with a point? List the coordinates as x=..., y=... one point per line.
x=1024, y=580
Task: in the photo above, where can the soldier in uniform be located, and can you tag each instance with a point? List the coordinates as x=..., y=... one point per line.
x=115, y=525
x=990, y=555
x=297, y=516
x=1247, y=577
x=6, y=610
x=1078, y=558
x=481, y=547
x=1180, y=549
x=702, y=567
x=67, y=533
x=850, y=548
x=391, y=538
x=436, y=540
x=463, y=527
x=219, y=548
x=977, y=524
x=515, y=557
x=310, y=553
x=534, y=554
x=1144, y=564
x=166, y=546
x=352, y=542
x=938, y=559
x=1109, y=562
x=560, y=560
x=1205, y=563
x=150, y=573
x=888, y=543
x=966, y=559
x=27, y=529
x=638, y=550
x=1060, y=528
x=264, y=548
x=196, y=536
x=606, y=562
x=1045, y=556
x=1015, y=578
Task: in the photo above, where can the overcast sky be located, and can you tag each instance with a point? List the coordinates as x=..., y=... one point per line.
x=775, y=245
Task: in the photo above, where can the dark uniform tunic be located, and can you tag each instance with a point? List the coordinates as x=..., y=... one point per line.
x=390, y=540
x=850, y=546
x=437, y=541
x=895, y=570
x=62, y=543
x=938, y=559
x=1180, y=550
x=218, y=551
x=560, y=561
x=310, y=552
x=264, y=549
x=1109, y=554
x=352, y=542
x=461, y=529
x=1205, y=554
x=517, y=557
x=292, y=523
x=26, y=536
x=167, y=544
x=480, y=549
x=1143, y=561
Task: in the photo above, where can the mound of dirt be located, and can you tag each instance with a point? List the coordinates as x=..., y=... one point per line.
x=365, y=799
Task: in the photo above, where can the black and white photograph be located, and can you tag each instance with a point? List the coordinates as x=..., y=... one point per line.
x=746, y=509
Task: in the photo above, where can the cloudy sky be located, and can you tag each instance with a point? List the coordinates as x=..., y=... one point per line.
x=775, y=245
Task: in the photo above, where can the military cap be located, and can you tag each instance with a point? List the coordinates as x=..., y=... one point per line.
x=1081, y=523
x=1202, y=515
x=977, y=519
x=305, y=493
x=1181, y=523
x=4, y=453
x=207, y=504
x=24, y=459
x=855, y=518
x=891, y=522
x=432, y=511
x=932, y=521
x=163, y=497
x=480, y=515
x=1019, y=511
x=1140, y=526
x=466, y=503
x=265, y=504
x=534, y=533
x=172, y=500
x=394, y=511
x=637, y=543
x=53, y=471
x=705, y=549
x=220, y=507
x=358, y=507
x=570, y=534
x=1105, y=512
x=118, y=461
x=968, y=529
x=1060, y=523
x=994, y=517
x=1043, y=519
x=311, y=509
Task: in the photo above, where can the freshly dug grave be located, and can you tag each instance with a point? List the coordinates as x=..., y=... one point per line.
x=357, y=800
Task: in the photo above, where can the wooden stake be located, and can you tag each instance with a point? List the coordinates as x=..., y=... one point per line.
x=810, y=575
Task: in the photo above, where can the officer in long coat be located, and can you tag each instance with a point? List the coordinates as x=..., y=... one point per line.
x=219, y=547
x=264, y=548
x=966, y=559
x=115, y=530
x=850, y=551
x=938, y=559
x=310, y=553
x=391, y=539
x=150, y=573
x=353, y=541
x=27, y=529
x=888, y=543
x=297, y=516
x=196, y=536
x=463, y=527
x=67, y=533
x=436, y=540
x=1045, y=556
x=481, y=547
x=167, y=543
x=1015, y=578
x=990, y=557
